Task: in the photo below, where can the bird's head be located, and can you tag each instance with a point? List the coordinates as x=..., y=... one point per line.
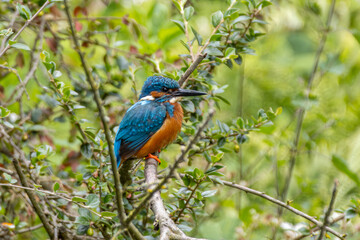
x=164, y=89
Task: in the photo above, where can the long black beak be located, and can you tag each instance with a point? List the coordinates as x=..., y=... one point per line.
x=187, y=93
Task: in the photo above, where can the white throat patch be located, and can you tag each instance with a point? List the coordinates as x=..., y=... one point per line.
x=175, y=99
x=150, y=98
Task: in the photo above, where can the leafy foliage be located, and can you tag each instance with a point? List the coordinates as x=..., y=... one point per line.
x=58, y=130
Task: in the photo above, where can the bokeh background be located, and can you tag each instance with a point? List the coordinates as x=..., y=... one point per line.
x=274, y=75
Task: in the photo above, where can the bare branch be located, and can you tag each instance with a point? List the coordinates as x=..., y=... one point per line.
x=192, y=68
x=328, y=212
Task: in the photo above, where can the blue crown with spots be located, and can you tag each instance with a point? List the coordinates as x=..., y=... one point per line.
x=157, y=83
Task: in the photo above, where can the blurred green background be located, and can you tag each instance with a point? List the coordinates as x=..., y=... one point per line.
x=274, y=76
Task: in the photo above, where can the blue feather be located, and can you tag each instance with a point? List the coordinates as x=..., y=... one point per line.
x=140, y=122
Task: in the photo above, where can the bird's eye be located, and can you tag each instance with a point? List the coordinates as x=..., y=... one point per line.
x=165, y=89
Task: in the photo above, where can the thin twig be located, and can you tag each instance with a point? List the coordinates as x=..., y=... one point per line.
x=30, y=229
x=6, y=171
x=328, y=212
x=24, y=26
x=192, y=68
x=187, y=201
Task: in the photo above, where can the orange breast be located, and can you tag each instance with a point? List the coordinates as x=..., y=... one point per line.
x=165, y=135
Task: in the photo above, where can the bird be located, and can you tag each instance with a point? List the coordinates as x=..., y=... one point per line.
x=153, y=122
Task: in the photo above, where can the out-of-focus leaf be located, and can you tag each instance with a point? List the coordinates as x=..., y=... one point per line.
x=216, y=18
x=179, y=24
x=4, y=112
x=342, y=166
x=86, y=150
x=20, y=46
x=188, y=12
x=197, y=36
x=24, y=11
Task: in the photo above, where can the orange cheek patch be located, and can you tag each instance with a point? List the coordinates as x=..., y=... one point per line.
x=157, y=94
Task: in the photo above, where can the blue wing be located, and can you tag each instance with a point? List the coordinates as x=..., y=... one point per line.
x=140, y=122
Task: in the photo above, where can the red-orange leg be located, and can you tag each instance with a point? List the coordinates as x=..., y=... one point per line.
x=154, y=157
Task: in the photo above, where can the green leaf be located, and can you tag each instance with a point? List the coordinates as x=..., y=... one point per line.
x=82, y=229
x=238, y=60
x=189, y=12
x=209, y=193
x=86, y=150
x=93, y=201
x=108, y=214
x=342, y=166
x=217, y=157
x=214, y=169
x=57, y=74
x=263, y=4
x=177, y=5
x=230, y=52
x=84, y=213
x=230, y=12
x=240, y=19
x=9, y=178
x=350, y=213
x=213, y=51
x=4, y=112
x=197, y=36
x=216, y=18
x=188, y=106
x=78, y=199
x=198, y=174
x=6, y=32
x=179, y=24
x=20, y=46
x=56, y=186
x=24, y=11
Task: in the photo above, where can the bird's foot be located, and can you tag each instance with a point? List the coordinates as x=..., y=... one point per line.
x=154, y=157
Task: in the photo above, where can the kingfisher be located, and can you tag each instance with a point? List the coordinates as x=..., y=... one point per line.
x=153, y=121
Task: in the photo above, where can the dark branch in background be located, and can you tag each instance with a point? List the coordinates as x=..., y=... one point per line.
x=328, y=212
x=24, y=182
x=301, y=112
x=120, y=207
x=24, y=26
